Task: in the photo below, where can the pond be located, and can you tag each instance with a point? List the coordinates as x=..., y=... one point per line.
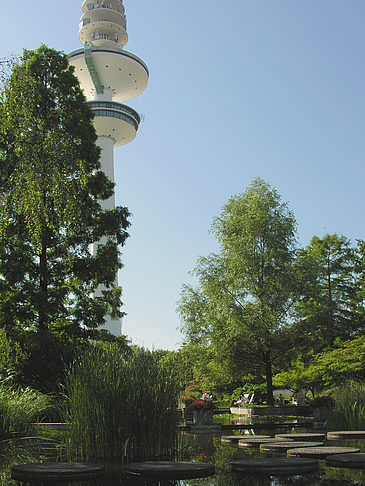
x=203, y=445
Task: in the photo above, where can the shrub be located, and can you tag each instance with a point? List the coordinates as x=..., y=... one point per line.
x=12, y=356
x=323, y=401
x=35, y=359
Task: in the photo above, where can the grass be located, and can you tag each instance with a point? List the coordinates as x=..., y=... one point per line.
x=19, y=408
x=121, y=406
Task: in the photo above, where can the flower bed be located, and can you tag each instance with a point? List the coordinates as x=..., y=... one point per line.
x=196, y=404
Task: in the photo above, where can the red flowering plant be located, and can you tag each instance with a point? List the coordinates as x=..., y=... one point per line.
x=197, y=403
x=324, y=401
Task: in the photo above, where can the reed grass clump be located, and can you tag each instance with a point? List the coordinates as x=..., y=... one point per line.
x=349, y=410
x=19, y=408
x=121, y=406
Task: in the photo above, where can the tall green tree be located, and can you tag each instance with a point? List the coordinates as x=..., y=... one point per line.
x=50, y=191
x=240, y=309
x=359, y=300
x=328, y=308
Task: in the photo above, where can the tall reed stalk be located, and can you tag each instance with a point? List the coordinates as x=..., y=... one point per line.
x=19, y=408
x=121, y=407
x=349, y=410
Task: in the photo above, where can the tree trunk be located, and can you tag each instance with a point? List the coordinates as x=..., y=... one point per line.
x=43, y=287
x=331, y=324
x=268, y=374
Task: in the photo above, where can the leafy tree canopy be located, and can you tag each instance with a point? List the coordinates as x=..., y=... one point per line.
x=50, y=191
x=239, y=310
x=329, y=307
x=346, y=361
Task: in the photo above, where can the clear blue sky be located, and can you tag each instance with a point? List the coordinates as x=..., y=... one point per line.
x=238, y=89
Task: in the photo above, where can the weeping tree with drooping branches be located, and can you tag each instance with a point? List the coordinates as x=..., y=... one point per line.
x=51, y=186
x=240, y=309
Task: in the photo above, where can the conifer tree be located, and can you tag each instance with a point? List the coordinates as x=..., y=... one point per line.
x=51, y=186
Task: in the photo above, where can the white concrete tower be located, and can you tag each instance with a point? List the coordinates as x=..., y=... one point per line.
x=108, y=75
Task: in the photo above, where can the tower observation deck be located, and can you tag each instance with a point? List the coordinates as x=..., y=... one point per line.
x=109, y=76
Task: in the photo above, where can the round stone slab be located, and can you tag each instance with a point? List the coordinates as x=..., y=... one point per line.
x=169, y=470
x=258, y=442
x=302, y=436
x=284, y=446
x=353, y=461
x=236, y=438
x=347, y=434
x=274, y=466
x=57, y=471
x=320, y=452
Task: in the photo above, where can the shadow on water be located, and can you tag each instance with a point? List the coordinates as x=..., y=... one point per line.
x=201, y=446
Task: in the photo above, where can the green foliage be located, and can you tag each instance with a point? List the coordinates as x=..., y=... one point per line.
x=263, y=307
x=322, y=401
x=191, y=365
x=6, y=66
x=50, y=188
x=36, y=359
x=12, y=357
x=328, y=308
x=19, y=408
x=121, y=405
x=359, y=301
x=328, y=369
x=47, y=356
x=349, y=410
x=238, y=314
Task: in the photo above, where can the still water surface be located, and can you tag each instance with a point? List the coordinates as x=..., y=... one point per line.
x=207, y=447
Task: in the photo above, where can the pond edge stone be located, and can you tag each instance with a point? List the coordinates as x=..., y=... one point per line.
x=57, y=471
x=320, y=452
x=346, y=434
x=352, y=461
x=275, y=466
x=169, y=470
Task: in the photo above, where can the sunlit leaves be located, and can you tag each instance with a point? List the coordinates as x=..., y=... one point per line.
x=331, y=368
x=240, y=308
x=327, y=308
x=51, y=186
x=50, y=141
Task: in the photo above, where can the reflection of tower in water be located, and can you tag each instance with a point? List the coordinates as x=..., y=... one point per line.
x=108, y=75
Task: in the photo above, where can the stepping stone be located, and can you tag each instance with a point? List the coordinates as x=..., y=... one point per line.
x=320, y=452
x=353, y=461
x=169, y=470
x=258, y=442
x=236, y=438
x=57, y=471
x=302, y=436
x=274, y=466
x=347, y=434
x=283, y=447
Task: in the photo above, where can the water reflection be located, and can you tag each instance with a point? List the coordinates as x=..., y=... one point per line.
x=201, y=446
